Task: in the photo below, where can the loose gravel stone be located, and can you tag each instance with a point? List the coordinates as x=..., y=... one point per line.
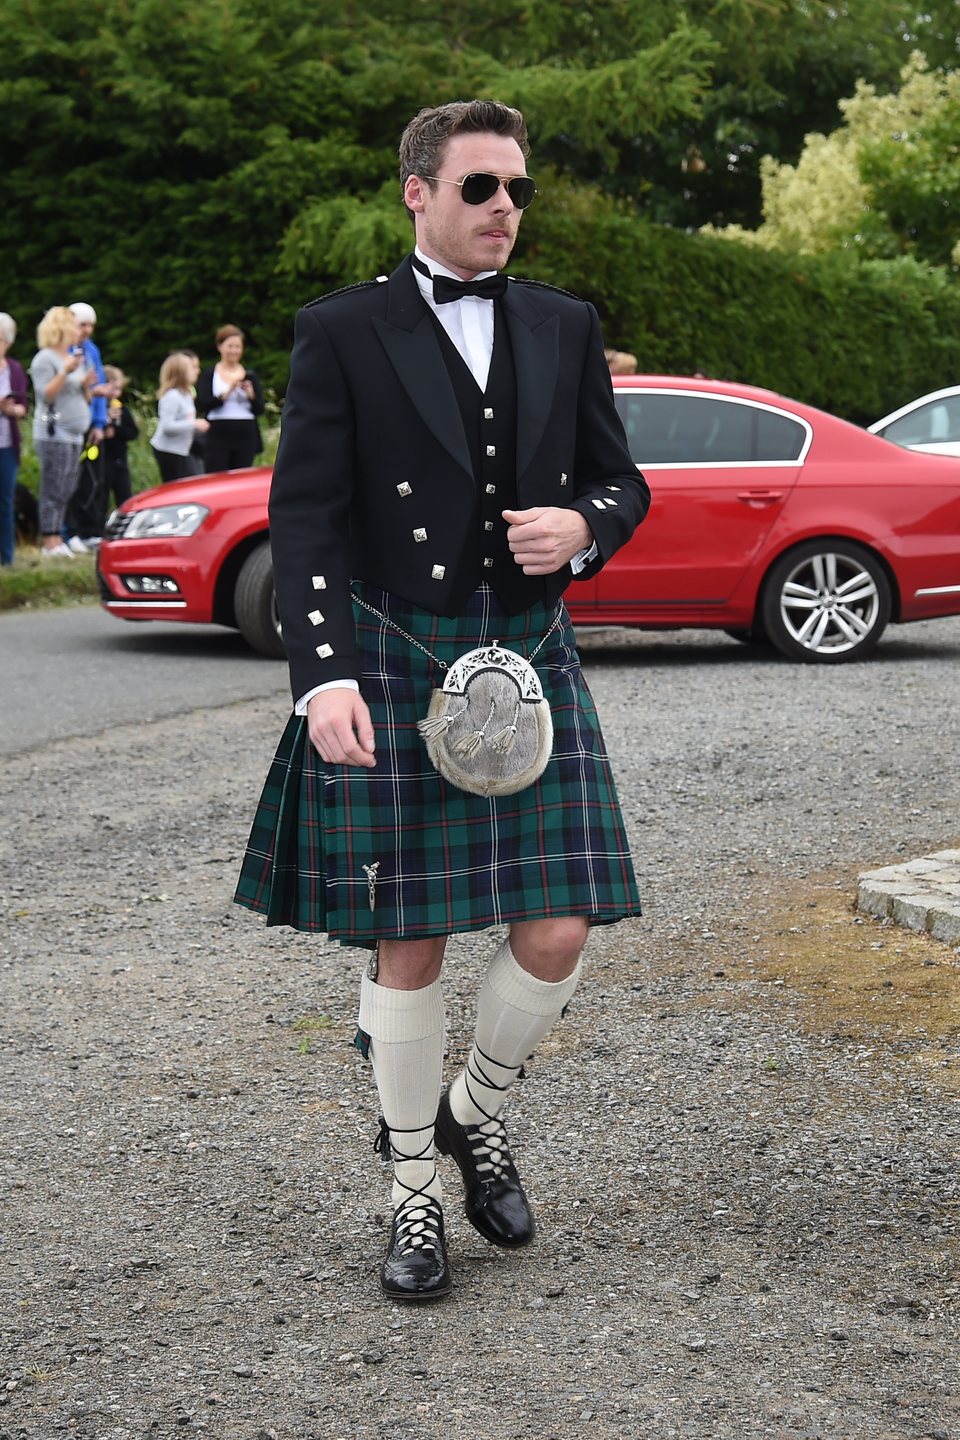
x=741, y=1143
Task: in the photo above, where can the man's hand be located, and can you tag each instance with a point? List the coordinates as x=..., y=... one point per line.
x=546, y=538
x=340, y=727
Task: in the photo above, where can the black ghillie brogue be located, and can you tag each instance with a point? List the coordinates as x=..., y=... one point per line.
x=415, y=1265
x=494, y=1201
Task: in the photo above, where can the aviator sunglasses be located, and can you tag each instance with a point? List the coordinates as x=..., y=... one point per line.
x=478, y=187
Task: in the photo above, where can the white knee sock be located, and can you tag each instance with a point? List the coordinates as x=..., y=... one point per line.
x=515, y=1011
x=406, y=1029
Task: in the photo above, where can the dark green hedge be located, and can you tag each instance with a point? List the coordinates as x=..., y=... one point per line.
x=855, y=339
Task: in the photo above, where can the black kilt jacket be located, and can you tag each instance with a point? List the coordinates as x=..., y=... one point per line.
x=373, y=449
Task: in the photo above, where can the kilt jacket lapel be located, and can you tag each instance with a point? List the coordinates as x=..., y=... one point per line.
x=407, y=335
x=535, y=338
x=374, y=479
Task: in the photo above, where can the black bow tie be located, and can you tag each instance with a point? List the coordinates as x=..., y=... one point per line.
x=446, y=289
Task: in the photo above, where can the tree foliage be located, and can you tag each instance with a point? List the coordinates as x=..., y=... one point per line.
x=886, y=182
x=180, y=165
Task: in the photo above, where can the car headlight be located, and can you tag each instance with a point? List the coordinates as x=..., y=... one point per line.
x=165, y=520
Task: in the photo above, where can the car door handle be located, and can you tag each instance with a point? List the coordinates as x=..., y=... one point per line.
x=760, y=497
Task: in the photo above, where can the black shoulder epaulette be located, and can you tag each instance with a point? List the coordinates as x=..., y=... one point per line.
x=344, y=290
x=543, y=285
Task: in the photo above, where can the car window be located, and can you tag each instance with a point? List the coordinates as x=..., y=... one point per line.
x=689, y=429
x=937, y=421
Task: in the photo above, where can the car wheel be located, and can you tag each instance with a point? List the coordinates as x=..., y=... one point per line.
x=255, y=604
x=826, y=602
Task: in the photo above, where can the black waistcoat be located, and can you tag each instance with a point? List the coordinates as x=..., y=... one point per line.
x=490, y=422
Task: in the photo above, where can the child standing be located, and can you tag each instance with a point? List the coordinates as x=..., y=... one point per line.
x=121, y=430
x=178, y=420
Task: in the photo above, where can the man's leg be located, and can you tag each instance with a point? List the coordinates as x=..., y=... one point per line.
x=401, y=1009
x=528, y=982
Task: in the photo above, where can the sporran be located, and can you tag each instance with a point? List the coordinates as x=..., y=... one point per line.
x=488, y=730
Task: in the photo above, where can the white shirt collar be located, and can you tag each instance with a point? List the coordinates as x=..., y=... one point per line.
x=436, y=268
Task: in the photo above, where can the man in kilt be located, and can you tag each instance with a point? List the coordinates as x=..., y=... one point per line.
x=450, y=460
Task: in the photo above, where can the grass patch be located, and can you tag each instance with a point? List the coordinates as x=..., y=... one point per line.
x=859, y=980
x=307, y=1027
x=31, y=583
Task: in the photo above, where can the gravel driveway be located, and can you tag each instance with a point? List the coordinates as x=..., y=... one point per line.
x=742, y=1143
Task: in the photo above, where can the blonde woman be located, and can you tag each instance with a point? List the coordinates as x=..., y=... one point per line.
x=61, y=381
x=177, y=417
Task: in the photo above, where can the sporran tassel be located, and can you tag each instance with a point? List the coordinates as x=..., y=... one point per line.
x=503, y=741
x=435, y=725
x=468, y=745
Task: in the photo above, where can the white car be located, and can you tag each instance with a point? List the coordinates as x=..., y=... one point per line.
x=931, y=423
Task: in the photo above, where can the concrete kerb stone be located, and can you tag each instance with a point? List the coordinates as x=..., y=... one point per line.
x=920, y=894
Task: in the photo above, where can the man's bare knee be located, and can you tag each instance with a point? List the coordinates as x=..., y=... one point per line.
x=549, y=949
x=410, y=964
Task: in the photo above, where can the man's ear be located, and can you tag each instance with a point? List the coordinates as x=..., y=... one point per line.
x=414, y=194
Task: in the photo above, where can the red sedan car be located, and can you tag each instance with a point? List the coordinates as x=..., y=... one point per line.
x=770, y=520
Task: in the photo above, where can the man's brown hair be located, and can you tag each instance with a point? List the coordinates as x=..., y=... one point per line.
x=423, y=140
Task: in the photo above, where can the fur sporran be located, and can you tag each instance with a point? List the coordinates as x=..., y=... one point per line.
x=489, y=730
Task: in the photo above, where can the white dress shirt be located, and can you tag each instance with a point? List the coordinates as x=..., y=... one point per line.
x=468, y=322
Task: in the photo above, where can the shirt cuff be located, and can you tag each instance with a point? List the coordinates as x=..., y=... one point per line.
x=301, y=706
x=583, y=558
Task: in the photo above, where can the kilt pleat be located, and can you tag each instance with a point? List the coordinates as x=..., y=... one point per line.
x=327, y=840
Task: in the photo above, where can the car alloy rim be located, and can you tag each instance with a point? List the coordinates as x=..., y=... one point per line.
x=829, y=603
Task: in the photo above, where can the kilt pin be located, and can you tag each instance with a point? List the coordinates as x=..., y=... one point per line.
x=394, y=468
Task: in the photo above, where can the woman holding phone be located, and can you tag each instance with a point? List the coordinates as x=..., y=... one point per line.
x=231, y=398
x=61, y=384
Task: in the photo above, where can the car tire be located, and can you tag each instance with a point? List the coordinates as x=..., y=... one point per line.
x=255, y=605
x=826, y=602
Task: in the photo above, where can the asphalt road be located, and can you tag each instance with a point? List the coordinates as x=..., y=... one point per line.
x=77, y=671
x=741, y=1144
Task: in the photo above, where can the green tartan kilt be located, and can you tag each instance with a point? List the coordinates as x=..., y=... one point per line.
x=442, y=860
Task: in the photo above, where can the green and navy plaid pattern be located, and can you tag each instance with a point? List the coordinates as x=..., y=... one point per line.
x=434, y=860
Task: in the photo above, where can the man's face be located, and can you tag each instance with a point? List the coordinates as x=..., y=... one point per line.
x=84, y=330
x=468, y=238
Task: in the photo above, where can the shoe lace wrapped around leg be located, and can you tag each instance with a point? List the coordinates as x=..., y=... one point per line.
x=488, y=1140
x=419, y=1216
